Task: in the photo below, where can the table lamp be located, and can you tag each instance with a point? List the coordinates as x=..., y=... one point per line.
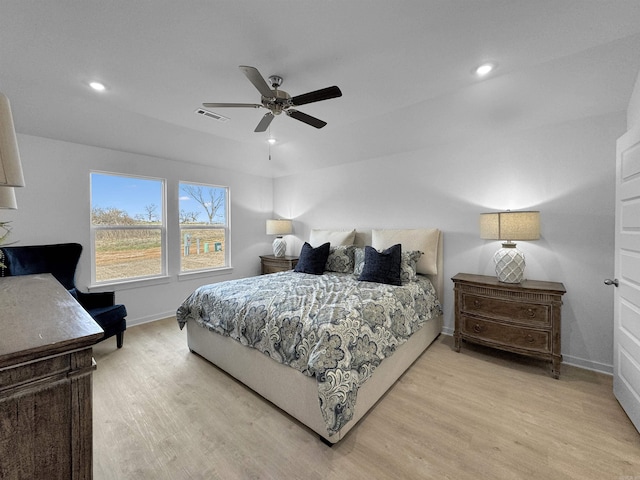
x=279, y=228
x=510, y=226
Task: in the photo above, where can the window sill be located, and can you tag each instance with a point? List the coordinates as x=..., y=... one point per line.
x=127, y=284
x=149, y=282
x=204, y=273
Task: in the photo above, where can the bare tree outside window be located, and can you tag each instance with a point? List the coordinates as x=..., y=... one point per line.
x=210, y=198
x=188, y=217
x=150, y=215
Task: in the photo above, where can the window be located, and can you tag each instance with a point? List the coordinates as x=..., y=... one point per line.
x=204, y=226
x=127, y=227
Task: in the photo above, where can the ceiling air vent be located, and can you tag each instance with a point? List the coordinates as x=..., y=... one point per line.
x=215, y=116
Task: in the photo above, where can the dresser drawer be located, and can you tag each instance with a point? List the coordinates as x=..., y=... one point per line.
x=496, y=308
x=507, y=335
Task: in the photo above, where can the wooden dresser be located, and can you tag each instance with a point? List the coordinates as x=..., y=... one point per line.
x=45, y=381
x=523, y=318
x=273, y=264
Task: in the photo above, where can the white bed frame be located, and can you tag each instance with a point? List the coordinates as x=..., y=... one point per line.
x=296, y=393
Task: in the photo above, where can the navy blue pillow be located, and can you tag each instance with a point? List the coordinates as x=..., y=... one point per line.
x=312, y=260
x=382, y=267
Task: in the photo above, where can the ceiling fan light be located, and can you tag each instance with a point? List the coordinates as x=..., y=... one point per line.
x=97, y=86
x=485, y=69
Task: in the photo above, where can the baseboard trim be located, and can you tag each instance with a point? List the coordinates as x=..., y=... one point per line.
x=567, y=359
x=150, y=318
x=447, y=331
x=587, y=364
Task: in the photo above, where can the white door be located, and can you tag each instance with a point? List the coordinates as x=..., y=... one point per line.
x=626, y=334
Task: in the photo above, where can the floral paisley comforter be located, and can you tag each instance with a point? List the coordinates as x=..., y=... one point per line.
x=330, y=326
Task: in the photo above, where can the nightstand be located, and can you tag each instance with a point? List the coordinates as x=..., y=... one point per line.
x=523, y=317
x=273, y=264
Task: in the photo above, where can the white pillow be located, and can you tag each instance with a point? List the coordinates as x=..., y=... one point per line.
x=334, y=237
x=423, y=239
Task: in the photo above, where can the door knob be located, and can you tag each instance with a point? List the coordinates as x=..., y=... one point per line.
x=613, y=282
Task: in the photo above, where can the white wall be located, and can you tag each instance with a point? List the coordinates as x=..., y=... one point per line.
x=54, y=207
x=633, y=111
x=566, y=171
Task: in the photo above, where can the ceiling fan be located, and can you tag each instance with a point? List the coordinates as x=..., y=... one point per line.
x=278, y=101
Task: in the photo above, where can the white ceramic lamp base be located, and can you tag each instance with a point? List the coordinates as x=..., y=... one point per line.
x=509, y=264
x=279, y=247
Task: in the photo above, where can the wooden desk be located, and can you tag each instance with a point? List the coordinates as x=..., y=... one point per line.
x=45, y=380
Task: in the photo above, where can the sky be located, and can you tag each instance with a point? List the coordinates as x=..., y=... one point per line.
x=133, y=194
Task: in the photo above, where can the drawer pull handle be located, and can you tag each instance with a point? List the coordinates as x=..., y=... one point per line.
x=476, y=303
x=530, y=339
x=531, y=312
x=477, y=328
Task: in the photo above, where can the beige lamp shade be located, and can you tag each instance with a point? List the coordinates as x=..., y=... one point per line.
x=10, y=166
x=8, y=198
x=279, y=227
x=510, y=226
x=509, y=261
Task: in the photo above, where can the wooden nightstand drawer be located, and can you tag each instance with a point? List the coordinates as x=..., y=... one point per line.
x=273, y=264
x=523, y=312
x=507, y=335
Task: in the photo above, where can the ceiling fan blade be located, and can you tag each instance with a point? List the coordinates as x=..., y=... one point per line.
x=258, y=80
x=308, y=119
x=265, y=122
x=231, y=105
x=316, y=96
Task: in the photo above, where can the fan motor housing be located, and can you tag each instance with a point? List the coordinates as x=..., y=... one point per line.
x=278, y=102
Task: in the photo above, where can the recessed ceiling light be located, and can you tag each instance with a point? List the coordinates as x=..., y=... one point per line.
x=271, y=140
x=97, y=86
x=485, y=69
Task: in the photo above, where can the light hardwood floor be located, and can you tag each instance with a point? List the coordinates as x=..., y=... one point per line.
x=161, y=412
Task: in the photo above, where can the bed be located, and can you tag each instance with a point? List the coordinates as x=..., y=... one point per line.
x=323, y=348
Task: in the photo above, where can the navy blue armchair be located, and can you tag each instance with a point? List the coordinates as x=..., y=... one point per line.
x=61, y=261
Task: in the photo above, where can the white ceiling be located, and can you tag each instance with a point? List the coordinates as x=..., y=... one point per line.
x=404, y=68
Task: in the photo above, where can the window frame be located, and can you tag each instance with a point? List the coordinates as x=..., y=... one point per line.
x=226, y=228
x=162, y=228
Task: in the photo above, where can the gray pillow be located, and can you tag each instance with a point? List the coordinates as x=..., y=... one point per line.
x=408, y=265
x=340, y=259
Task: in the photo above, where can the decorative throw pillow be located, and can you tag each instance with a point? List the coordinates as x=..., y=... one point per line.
x=382, y=267
x=408, y=265
x=312, y=260
x=340, y=259
x=358, y=261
